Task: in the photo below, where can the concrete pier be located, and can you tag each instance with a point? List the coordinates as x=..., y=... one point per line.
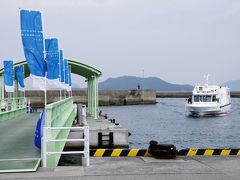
x=197, y=168
x=163, y=94
x=104, y=126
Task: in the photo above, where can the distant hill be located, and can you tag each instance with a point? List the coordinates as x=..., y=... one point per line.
x=131, y=82
x=234, y=85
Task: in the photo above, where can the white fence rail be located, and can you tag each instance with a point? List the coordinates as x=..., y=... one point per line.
x=85, y=139
x=12, y=104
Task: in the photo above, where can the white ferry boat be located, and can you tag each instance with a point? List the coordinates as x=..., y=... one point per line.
x=209, y=100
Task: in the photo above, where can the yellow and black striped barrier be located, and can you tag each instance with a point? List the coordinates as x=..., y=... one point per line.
x=209, y=152
x=118, y=152
x=144, y=152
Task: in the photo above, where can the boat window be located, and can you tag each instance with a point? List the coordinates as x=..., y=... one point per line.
x=214, y=99
x=206, y=98
x=196, y=98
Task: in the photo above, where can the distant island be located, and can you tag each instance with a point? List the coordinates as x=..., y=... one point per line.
x=132, y=82
x=155, y=83
x=234, y=85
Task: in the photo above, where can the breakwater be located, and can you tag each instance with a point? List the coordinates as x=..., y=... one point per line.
x=163, y=94
x=106, y=97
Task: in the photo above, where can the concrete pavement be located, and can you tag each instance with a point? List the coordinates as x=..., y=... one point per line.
x=142, y=168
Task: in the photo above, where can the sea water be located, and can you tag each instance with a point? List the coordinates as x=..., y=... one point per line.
x=167, y=122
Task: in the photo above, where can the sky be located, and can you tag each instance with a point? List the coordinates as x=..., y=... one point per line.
x=176, y=40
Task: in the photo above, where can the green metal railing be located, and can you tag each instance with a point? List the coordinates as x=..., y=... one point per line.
x=12, y=107
x=58, y=114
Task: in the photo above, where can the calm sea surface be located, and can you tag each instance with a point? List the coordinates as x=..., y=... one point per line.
x=166, y=122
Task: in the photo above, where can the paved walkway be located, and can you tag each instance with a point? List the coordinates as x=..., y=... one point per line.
x=128, y=168
x=17, y=137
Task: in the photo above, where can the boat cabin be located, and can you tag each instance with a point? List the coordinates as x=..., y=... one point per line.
x=210, y=93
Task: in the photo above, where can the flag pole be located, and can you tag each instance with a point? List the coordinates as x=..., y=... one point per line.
x=23, y=81
x=44, y=59
x=45, y=90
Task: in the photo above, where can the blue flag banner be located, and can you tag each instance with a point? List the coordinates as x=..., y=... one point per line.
x=70, y=75
x=32, y=40
x=52, y=58
x=66, y=69
x=61, y=65
x=69, y=88
x=8, y=76
x=20, y=77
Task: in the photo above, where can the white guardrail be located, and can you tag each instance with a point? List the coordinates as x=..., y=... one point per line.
x=85, y=139
x=12, y=104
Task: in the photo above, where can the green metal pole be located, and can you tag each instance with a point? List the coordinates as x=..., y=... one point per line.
x=89, y=96
x=92, y=93
x=95, y=97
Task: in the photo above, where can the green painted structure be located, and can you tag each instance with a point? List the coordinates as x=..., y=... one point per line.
x=58, y=114
x=91, y=74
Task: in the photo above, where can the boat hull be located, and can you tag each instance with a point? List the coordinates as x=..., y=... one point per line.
x=208, y=110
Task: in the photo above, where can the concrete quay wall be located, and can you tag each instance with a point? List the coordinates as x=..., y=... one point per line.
x=106, y=97
x=163, y=94
x=127, y=97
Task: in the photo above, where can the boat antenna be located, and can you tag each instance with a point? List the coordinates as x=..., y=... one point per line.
x=207, y=78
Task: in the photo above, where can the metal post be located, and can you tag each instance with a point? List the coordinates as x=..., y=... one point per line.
x=86, y=145
x=86, y=136
x=44, y=147
x=79, y=114
x=45, y=91
x=84, y=115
